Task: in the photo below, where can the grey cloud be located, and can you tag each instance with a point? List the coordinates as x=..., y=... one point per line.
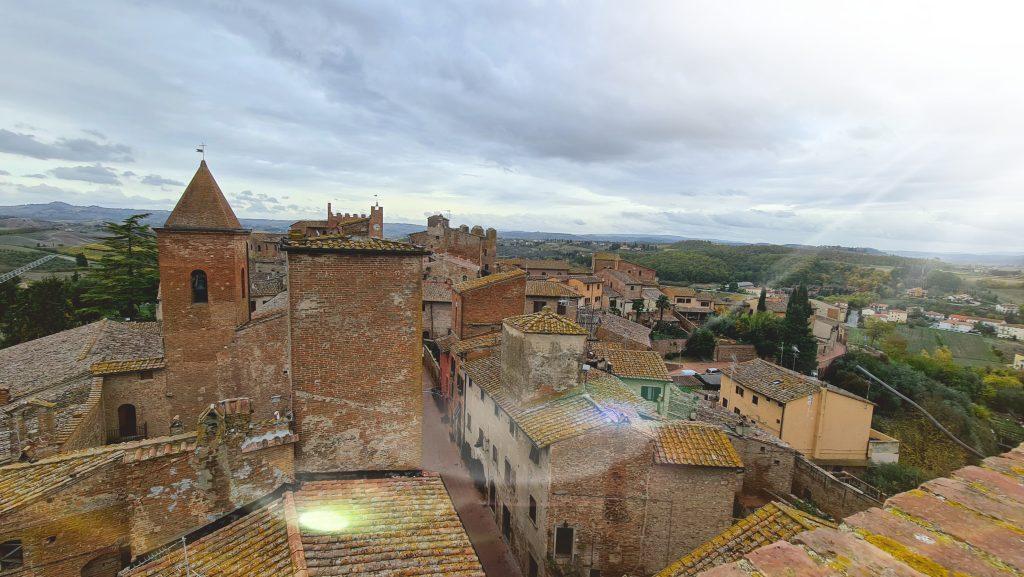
x=4, y=173
x=33, y=175
x=128, y=174
x=95, y=173
x=62, y=148
x=157, y=180
x=95, y=133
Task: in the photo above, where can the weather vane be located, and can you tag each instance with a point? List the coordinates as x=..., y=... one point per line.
x=202, y=150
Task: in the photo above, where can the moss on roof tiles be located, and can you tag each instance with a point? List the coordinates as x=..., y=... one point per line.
x=772, y=522
x=685, y=443
x=348, y=243
x=545, y=322
x=632, y=364
x=491, y=279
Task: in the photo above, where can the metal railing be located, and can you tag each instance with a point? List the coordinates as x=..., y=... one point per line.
x=23, y=269
x=117, y=436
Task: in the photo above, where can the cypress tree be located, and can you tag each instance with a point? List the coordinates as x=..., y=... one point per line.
x=761, y=306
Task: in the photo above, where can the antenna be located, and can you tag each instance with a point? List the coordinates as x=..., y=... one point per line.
x=202, y=150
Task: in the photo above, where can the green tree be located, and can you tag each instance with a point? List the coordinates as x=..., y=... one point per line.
x=662, y=303
x=638, y=307
x=39, y=310
x=800, y=349
x=701, y=344
x=127, y=275
x=892, y=478
x=877, y=330
x=763, y=330
x=81, y=261
x=761, y=306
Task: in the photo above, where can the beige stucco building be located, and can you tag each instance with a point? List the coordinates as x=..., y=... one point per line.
x=826, y=424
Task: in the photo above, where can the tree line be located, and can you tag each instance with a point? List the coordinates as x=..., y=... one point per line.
x=122, y=284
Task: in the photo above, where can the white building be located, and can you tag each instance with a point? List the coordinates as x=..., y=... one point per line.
x=1010, y=332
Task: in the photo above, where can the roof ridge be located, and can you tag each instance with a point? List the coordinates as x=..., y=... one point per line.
x=291, y=522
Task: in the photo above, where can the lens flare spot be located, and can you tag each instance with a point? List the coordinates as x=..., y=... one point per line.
x=324, y=521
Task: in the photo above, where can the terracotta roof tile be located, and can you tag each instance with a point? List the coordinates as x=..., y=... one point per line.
x=545, y=322
x=437, y=292
x=445, y=342
x=347, y=243
x=967, y=524
x=540, y=263
x=604, y=400
x=632, y=364
x=23, y=483
x=624, y=328
x=202, y=205
x=114, y=367
x=772, y=522
x=773, y=381
x=256, y=544
x=478, y=342
x=394, y=526
x=475, y=283
x=547, y=288
x=402, y=525
x=688, y=443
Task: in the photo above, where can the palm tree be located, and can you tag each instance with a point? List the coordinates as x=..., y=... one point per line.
x=638, y=307
x=662, y=304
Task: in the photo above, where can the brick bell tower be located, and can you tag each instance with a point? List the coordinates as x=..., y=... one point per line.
x=204, y=286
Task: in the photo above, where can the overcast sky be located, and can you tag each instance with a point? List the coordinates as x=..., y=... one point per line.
x=897, y=125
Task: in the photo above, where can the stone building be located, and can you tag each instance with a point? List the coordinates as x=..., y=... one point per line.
x=612, y=261
x=265, y=256
x=557, y=296
x=537, y=268
x=579, y=471
x=361, y=225
x=437, y=309
x=449, y=268
x=135, y=439
x=590, y=289
x=474, y=245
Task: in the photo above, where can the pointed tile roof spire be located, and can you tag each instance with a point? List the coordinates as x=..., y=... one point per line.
x=202, y=205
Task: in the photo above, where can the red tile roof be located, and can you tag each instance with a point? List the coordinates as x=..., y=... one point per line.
x=358, y=527
x=968, y=524
x=202, y=205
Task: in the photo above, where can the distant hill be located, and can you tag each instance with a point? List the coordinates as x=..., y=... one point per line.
x=64, y=212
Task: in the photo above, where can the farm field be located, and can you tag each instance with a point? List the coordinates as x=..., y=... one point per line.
x=14, y=257
x=967, y=349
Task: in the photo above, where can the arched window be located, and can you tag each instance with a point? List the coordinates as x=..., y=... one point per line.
x=12, y=556
x=241, y=276
x=200, y=292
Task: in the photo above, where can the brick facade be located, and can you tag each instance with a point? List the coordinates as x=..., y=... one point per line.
x=197, y=335
x=481, y=310
x=356, y=358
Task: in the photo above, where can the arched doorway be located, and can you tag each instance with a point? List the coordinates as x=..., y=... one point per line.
x=126, y=422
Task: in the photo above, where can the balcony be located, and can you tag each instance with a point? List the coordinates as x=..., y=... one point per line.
x=126, y=434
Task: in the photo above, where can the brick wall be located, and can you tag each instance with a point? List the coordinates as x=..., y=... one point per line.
x=829, y=494
x=437, y=318
x=481, y=310
x=196, y=334
x=767, y=466
x=356, y=359
x=598, y=485
x=148, y=396
x=688, y=505
x=62, y=533
x=261, y=355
